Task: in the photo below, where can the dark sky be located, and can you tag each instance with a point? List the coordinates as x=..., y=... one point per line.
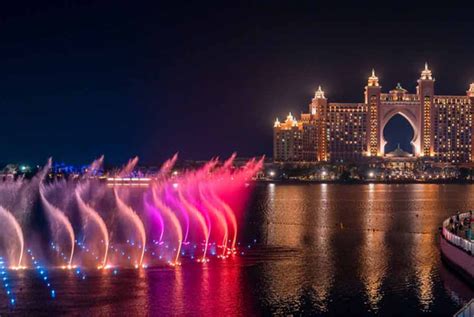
x=80, y=79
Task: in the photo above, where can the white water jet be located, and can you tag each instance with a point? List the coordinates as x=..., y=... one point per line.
x=129, y=213
x=90, y=213
x=57, y=216
x=168, y=165
x=128, y=169
x=94, y=166
x=16, y=227
x=28, y=193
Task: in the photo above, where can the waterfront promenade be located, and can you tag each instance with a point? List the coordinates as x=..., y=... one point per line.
x=457, y=250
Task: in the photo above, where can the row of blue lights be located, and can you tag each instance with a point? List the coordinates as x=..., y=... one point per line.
x=5, y=282
x=78, y=271
x=57, y=249
x=43, y=273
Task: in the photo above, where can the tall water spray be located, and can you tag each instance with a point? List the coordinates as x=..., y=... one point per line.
x=94, y=167
x=90, y=214
x=128, y=169
x=200, y=219
x=218, y=215
x=187, y=206
x=173, y=219
x=10, y=221
x=57, y=220
x=130, y=214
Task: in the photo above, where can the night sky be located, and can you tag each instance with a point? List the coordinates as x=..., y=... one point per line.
x=81, y=79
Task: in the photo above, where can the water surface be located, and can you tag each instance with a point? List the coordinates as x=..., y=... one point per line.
x=320, y=249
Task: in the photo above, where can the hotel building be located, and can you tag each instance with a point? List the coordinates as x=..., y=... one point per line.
x=350, y=132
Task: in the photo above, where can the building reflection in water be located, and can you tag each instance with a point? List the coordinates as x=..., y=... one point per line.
x=374, y=251
x=298, y=223
x=424, y=269
x=323, y=270
x=424, y=248
x=384, y=233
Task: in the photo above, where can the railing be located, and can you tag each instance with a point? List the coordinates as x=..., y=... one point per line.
x=462, y=243
x=466, y=311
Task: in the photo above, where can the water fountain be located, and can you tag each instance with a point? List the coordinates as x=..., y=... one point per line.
x=94, y=224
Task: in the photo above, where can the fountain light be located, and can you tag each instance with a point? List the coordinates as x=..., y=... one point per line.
x=192, y=214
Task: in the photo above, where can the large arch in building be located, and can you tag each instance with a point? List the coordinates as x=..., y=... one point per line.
x=410, y=111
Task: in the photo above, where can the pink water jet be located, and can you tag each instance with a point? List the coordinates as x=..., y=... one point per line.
x=155, y=213
x=171, y=199
x=173, y=219
x=220, y=217
x=196, y=207
x=201, y=220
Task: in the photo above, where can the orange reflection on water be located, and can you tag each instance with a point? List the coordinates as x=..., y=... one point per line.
x=374, y=256
x=424, y=248
x=299, y=221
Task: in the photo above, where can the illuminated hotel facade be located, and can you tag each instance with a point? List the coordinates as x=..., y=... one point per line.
x=350, y=132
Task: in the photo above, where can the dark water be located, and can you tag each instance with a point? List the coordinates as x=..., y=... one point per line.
x=321, y=250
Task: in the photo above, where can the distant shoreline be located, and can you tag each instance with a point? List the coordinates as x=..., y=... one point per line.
x=362, y=182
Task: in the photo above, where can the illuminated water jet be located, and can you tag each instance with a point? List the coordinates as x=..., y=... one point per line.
x=8, y=218
x=202, y=222
x=155, y=212
x=132, y=215
x=94, y=167
x=170, y=198
x=219, y=216
x=230, y=215
x=57, y=216
x=173, y=219
x=90, y=213
x=181, y=214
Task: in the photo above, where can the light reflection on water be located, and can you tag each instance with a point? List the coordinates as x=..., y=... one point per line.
x=322, y=249
x=361, y=249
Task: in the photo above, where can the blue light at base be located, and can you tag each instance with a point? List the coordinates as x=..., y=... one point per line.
x=80, y=274
x=6, y=283
x=43, y=273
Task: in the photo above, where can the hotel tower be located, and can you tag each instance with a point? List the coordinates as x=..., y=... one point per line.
x=350, y=132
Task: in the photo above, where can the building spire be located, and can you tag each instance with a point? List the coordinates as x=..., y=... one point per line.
x=291, y=121
x=319, y=93
x=277, y=123
x=470, y=92
x=373, y=80
x=426, y=73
